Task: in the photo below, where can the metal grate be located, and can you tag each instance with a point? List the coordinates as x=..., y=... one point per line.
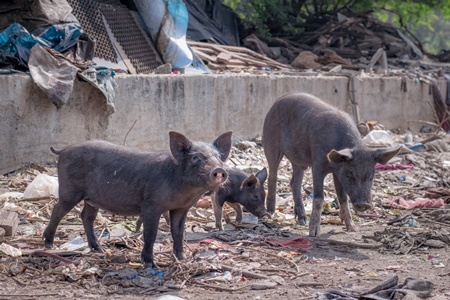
x=139, y=49
x=88, y=15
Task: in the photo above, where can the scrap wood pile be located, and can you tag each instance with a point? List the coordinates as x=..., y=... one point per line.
x=356, y=42
x=410, y=215
x=220, y=57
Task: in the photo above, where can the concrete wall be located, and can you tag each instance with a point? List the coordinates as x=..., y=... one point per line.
x=201, y=107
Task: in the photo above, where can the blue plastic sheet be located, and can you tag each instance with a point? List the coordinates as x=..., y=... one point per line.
x=61, y=37
x=167, y=22
x=16, y=42
x=54, y=73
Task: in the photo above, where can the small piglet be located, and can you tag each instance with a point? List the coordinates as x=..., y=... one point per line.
x=126, y=181
x=240, y=189
x=310, y=132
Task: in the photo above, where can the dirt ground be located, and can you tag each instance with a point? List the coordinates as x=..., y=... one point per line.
x=270, y=258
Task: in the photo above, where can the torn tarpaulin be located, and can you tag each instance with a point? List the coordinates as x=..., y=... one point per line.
x=54, y=59
x=16, y=42
x=167, y=23
x=53, y=75
x=103, y=79
x=35, y=15
x=210, y=20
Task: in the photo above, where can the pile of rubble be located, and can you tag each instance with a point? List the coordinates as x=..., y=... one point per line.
x=358, y=42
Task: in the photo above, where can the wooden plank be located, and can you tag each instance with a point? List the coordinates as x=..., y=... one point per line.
x=237, y=52
x=204, y=56
x=223, y=57
x=204, y=50
x=249, y=61
x=217, y=66
x=9, y=221
x=250, y=57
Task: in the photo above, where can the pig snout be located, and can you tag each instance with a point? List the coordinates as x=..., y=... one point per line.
x=218, y=175
x=261, y=212
x=361, y=206
x=264, y=213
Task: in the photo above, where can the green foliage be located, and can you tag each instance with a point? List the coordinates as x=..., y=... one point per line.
x=267, y=16
x=290, y=17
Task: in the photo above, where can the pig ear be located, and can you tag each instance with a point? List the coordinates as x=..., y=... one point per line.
x=262, y=175
x=179, y=146
x=340, y=156
x=250, y=182
x=382, y=156
x=223, y=144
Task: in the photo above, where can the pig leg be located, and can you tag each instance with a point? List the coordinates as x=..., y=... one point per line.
x=150, y=221
x=138, y=224
x=217, y=211
x=88, y=215
x=314, y=223
x=296, y=187
x=344, y=210
x=177, y=220
x=59, y=211
x=166, y=217
x=238, y=209
x=273, y=160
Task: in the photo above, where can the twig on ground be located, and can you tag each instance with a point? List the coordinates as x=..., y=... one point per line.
x=217, y=287
x=276, y=255
x=249, y=274
x=350, y=244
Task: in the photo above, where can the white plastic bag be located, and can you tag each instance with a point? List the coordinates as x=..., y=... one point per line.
x=43, y=185
x=378, y=138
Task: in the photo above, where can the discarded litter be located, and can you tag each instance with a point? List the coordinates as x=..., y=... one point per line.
x=75, y=244
x=10, y=250
x=43, y=185
x=127, y=274
x=155, y=272
x=400, y=202
x=412, y=288
x=378, y=138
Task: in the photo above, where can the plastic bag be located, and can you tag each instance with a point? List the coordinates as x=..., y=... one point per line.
x=378, y=138
x=43, y=185
x=10, y=250
x=75, y=244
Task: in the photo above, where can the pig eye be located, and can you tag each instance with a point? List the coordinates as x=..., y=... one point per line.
x=196, y=158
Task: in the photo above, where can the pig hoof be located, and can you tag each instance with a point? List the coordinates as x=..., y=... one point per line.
x=314, y=231
x=180, y=256
x=270, y=208
x=150, y=265
x=301, y=221
x=98, y=249
x=351, y=228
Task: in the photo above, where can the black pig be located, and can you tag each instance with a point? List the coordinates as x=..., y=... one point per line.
x=126, y=181
x=240, y=189
x=310, y=132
